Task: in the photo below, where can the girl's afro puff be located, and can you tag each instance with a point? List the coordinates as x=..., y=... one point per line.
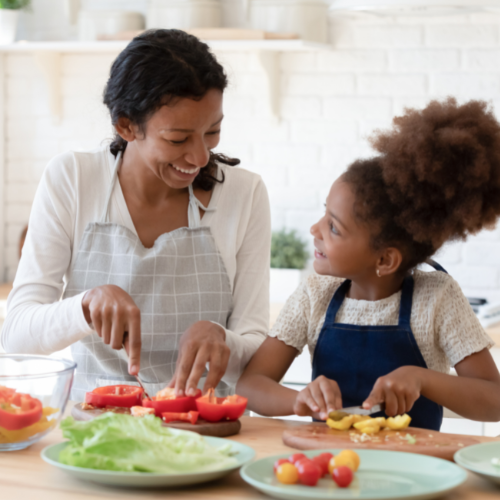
x=438, y=176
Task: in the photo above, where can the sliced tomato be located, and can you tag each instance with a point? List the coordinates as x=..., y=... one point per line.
x=124, y=396
x=18, y=410
x=176, y=405
x=190, y=417
x=215, y=409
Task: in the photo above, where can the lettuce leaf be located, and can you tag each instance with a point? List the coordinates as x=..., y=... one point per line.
x=124, y=443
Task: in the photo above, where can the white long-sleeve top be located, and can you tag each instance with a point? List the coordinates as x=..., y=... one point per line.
x=71, y=194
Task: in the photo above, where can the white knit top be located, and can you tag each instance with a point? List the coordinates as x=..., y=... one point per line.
x=443, y=323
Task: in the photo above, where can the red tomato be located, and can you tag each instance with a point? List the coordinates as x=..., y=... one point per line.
x=215, y=409
x=125, y=396
x=342, y=475
x=183, y=404
x=309, y=472
x=279, y=462
x=322, y=460
x=296, y=457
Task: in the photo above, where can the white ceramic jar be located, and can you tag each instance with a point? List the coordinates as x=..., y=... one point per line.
x=307, y=18
x=92, y=24
x=8, y=25
x=184, y=14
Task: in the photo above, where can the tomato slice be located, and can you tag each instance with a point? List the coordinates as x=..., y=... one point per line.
x=215, y=409
x=18, y=410
x=124, y=396
x=183, y=404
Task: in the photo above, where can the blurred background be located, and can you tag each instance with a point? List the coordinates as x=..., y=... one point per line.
x=309, y=81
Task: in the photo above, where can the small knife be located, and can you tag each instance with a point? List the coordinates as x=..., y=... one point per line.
x=137, y=376
x=355, y=410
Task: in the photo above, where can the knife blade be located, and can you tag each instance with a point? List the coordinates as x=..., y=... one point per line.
x=145, y=394
x=355, y=410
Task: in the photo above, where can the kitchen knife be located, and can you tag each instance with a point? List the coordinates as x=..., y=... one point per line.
x=355, y=410
x=137, y=376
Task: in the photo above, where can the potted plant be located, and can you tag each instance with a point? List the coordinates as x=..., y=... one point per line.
x=289, y=257
x=9, y=15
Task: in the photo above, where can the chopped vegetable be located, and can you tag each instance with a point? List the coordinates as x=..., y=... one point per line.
x=124, y=443
x=18, y=410
x=115, y=395
x=190, y=417
x=140, y=411
x=367, y=425
x=398, y=423
x=167, y=402
x=26, y=433
x=214, y=409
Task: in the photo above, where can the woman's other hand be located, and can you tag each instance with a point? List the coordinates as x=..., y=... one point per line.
x=112, y=313
x=399, y=390
x=318, y=399
x=202, y=343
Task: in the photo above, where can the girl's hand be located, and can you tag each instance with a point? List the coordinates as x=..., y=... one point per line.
x=399, y=390
x=112, y=313
x=203, y=342
x=318, y=399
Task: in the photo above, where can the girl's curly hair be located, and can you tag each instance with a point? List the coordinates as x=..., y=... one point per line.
x=156, y=68
x=437, y=178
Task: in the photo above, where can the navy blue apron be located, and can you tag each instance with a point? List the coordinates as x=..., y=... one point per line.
x=356, y=356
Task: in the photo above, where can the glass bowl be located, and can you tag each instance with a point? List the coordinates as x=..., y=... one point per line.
x=48, y=381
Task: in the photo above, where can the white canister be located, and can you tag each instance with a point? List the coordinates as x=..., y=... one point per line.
x=8, y=25
x=307, y=18
x=184, y=14
x=93, y=24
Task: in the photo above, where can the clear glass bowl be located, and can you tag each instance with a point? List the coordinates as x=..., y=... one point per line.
x=46, y=379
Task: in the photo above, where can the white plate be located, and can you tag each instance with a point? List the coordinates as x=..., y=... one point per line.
x=477, y=458
x=243, y=454
x=382, y=475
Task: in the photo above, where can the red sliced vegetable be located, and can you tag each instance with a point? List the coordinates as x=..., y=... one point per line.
x=191, y=417
x=124, y=396
x=177, y=405
x=214, y=409
x=18, y=410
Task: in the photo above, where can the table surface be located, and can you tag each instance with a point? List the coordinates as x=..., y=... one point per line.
x=23, y=474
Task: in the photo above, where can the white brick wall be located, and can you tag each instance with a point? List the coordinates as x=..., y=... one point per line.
x=331, y=101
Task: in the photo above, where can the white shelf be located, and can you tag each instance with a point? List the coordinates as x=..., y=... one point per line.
x=117, y=46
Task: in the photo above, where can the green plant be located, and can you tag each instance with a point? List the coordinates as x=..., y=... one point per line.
x=288, y=250
x=14, y=4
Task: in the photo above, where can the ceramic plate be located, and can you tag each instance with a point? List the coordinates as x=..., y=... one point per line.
x=388, y=475
x=145, y=479
x=477, y=458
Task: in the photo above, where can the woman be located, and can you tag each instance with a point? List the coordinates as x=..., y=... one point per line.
x=153, y=241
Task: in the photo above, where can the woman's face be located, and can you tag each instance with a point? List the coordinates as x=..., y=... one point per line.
x=342, y=245
x=178, y=138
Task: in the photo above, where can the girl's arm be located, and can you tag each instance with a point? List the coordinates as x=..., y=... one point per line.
x=474, y=394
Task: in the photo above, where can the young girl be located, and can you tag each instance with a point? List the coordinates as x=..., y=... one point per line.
x=378, y=329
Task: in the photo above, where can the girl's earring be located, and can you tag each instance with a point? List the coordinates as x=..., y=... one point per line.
x=378, y=273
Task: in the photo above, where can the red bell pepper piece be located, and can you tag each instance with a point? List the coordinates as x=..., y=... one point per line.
x=18, y=410
x=215, y=409
x=175, y=405
x=191, y=417
x=124, y=396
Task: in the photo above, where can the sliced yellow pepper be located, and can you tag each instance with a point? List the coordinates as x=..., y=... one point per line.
x=23, y=434
x=367, y=426
x=398, y=422
x=341, y=425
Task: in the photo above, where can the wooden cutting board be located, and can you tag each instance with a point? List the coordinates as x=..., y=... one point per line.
x=433, y=443
x=217, y=429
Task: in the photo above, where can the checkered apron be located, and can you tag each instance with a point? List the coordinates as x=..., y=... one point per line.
x=179, y=281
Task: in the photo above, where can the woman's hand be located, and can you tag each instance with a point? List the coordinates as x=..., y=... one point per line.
x=399, y=390
x=112, y=313
x=318, y=399
x=202, y=343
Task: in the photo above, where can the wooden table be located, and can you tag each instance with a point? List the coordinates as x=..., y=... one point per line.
x=24, y=475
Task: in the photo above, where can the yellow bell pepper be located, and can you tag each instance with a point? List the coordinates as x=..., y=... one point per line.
x=367, y=426
x=397, y=423
x=340, y=425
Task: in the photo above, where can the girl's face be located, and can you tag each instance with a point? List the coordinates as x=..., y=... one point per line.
x=342, y=244
x=178, y=138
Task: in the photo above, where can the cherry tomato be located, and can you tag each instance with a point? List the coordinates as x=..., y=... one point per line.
x=287, y=473
x=309, y=472
x=342, y=475
x=296, y=457
x=279, y=462
x=322, y=461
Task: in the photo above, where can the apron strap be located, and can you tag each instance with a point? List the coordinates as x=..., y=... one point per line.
x=105, y=214
x=406, y=302
x=194, y=209
x=435, y=265
x=336, y=302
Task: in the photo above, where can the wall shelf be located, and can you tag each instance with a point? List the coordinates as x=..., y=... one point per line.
x=48, y=58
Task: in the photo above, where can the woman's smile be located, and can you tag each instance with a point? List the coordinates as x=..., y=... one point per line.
x=185, y=173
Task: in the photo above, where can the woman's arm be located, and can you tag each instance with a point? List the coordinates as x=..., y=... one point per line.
x=260, y=381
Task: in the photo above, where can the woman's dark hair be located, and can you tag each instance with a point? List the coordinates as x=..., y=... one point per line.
x=155, y=69
x=437, y=179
